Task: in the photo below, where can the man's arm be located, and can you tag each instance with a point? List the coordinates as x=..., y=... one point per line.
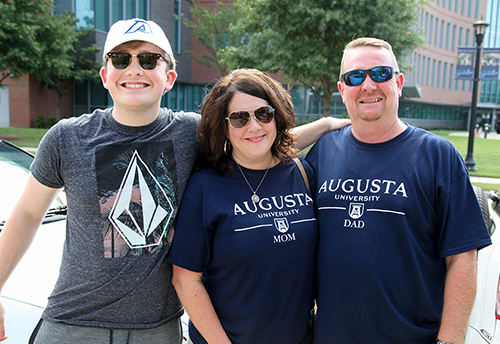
x=459, y=296
x=20, y=229
x=309, y=133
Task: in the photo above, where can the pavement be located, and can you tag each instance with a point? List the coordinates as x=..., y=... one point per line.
x=485, y=180
x=491, y=135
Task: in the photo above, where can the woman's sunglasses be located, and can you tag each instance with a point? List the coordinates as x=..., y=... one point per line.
x=357, y=76
x=240, y=119
x=147, y=61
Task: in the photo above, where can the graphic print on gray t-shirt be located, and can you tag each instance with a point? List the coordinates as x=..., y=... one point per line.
x=137, y=188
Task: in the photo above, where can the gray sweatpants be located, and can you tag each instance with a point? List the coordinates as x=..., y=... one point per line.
x=55, y=333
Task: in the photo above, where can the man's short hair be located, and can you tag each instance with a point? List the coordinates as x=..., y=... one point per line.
x=367, y=42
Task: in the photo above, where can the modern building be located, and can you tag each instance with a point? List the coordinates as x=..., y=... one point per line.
x=489, y=103
x=431, y=96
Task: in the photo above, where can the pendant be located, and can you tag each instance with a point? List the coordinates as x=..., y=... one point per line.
x=255, y=198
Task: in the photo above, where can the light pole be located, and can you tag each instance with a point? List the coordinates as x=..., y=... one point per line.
x=479, y=28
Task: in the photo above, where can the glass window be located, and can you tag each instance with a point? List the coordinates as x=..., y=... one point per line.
x=84, y=10
x=438, y=81
x=436, y=32
x=418, y=68
x=130, y=10
x=181, y=94
x=448, y=36
x=433, y=76
x=430, y=29
x=445, y=74
x=450, y=84
x=141, y=11
x=442, y=34
x=172, y=97
x=177, y=26
x=454, y=38
x=102, y=15
x=427, y=77
x=117, y=10
x=297, y=93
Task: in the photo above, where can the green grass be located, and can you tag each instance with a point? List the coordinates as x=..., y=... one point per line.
x=486, y=153
x=23, y=137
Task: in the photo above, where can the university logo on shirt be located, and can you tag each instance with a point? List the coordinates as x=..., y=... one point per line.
x=281, y=225
x=356, y=210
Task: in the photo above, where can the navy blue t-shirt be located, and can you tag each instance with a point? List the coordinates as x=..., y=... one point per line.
x=388, y=215
x=257, y=259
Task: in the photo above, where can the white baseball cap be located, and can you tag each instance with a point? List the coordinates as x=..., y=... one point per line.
x=137, y=30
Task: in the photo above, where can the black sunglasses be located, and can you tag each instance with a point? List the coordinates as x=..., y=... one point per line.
x=240, y=119
x=147, y=61
x=378, y=74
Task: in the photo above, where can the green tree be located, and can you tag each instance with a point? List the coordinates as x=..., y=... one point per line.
x=305, y=38
x=210, y=27
x=33, y=41
x=75, y=61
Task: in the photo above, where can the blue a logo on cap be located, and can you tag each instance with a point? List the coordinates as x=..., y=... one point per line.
x=140, y=26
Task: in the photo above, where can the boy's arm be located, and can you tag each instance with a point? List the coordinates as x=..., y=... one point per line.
x=20, y=229
x=309, y=133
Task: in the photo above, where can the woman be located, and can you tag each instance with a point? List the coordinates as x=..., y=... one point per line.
x=246, y=232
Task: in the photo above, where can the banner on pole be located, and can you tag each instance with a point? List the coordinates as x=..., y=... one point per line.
x=465, y=64
x=489, y=63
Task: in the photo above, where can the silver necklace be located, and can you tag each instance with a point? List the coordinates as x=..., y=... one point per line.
x=254, y=198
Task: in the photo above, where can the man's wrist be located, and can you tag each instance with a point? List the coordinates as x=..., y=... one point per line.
x=438, y=341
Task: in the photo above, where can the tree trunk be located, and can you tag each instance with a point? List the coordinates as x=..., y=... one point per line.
x=327, y=103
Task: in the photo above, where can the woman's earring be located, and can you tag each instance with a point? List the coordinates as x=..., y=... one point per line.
x=226, y=148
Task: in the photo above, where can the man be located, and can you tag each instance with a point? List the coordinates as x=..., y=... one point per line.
x=124, y=170
x=399, y=222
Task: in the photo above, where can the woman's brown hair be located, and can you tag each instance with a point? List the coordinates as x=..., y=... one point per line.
x=213, y=128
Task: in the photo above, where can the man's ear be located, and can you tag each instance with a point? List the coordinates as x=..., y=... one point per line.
x=400, y=79
x=104, y=77
x=341, y=90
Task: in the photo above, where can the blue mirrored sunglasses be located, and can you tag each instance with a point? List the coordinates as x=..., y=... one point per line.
x=378, y=74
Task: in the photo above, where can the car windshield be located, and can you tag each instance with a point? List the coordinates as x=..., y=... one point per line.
x=14, y=170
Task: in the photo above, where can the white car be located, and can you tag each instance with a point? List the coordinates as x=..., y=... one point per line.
x=484, y=321
x=24, y=296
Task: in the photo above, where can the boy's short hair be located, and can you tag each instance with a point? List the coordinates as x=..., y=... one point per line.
x=138, y=30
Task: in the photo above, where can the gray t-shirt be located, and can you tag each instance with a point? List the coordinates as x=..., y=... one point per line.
x=123, y=187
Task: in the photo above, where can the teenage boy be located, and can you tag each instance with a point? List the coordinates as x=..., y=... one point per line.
x=124, y=170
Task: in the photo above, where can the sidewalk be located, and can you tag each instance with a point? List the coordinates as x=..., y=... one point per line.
x=485, y=180
x=491, y=135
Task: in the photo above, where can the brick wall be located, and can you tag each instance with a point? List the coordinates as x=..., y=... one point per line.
x=28, y=99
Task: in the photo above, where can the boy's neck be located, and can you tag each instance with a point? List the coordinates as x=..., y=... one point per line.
x=135, y=117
